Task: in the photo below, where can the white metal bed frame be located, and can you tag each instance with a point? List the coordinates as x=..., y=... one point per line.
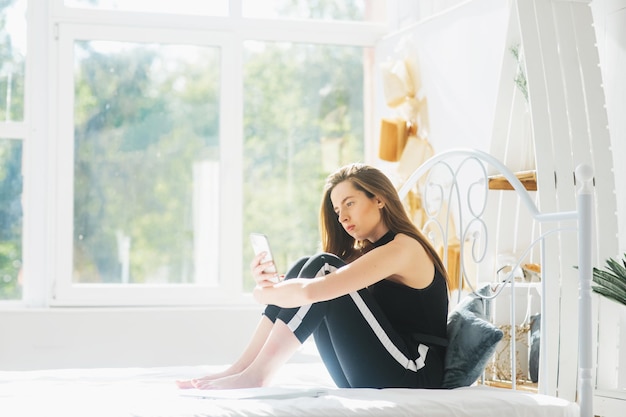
x=456, y=163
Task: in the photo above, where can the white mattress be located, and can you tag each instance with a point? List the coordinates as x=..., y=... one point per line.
x=300, y=389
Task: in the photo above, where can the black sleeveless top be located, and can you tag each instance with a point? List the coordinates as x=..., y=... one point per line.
x=413, y=311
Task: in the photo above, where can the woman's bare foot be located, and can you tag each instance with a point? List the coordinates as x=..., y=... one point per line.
x=241, y=380
x=272, y=345
x=191, y=383
x=185, y=383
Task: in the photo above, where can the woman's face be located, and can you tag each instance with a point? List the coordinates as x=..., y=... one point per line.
x=359, y=215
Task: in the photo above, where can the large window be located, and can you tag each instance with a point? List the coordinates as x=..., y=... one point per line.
x=140, y=166
x=146, y=163
x=303, y=117
x=175, y=131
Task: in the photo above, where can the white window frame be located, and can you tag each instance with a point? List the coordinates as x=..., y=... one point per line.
x=64, y=291
x=48, y=139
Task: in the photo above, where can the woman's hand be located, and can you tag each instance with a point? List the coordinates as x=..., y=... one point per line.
x=262, y=278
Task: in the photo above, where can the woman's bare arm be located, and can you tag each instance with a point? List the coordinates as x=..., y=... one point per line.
x=404, y=260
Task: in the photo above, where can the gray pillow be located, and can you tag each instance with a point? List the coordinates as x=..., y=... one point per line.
x=471, y=342
x=476, y=304
x=535, y=340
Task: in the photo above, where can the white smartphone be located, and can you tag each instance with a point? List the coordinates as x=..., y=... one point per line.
x=260, y=243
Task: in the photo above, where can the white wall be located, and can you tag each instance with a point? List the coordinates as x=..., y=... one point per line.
x=610, y=23
x=460, y=55
x=123, y=337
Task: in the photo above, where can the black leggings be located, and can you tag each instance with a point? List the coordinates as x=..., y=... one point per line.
x=355, y=340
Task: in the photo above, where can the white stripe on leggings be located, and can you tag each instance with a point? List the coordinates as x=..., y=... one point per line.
x=296, y=320
x=412, y=365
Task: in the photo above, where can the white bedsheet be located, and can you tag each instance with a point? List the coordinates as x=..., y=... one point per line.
x=151, y=392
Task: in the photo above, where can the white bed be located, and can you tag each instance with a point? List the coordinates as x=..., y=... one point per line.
x=305, y=389
x=151, y=392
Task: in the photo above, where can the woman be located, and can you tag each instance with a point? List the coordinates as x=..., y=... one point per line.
x=376, y=300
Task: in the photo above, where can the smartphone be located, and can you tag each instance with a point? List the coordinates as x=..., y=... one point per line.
x=260, y=243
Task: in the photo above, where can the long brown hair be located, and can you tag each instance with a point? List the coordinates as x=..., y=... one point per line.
x=374, y=183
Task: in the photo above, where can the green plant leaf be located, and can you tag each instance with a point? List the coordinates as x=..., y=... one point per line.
x=614, y=266
x=611, y=281
x=609, y=294
x=611, y=285
x=601, y=277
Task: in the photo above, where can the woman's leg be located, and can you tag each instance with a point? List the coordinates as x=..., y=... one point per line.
x=329, y=357
x=367, y=351
x=280, y=345
x=259, y=337
x=357, y=343
x=352, y=352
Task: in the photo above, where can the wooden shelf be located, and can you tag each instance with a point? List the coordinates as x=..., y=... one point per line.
x=527, y=178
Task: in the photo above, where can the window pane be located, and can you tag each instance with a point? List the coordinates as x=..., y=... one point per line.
x=357, y=10
x=303, y=118
x=12, y=54
x=205, y=8
x=10, y=219
x=146, y=163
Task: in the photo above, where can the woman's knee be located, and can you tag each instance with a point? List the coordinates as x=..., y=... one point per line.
x=321, y=264
x=296, y=268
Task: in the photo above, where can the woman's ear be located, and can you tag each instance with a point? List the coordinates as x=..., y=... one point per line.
x=380, y=203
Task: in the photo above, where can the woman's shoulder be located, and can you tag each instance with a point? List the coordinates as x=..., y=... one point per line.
x=415, y=267
x=404, y=239
x=406, y=246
